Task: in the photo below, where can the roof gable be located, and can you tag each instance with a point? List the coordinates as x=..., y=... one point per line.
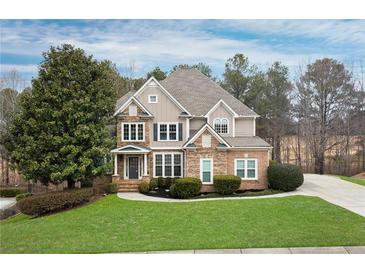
x=153, y=82
x=201, y=131
x=134, y=100
x=224, y=104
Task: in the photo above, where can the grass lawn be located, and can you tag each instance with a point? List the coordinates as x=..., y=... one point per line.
x=112, y=224
x=353, y=180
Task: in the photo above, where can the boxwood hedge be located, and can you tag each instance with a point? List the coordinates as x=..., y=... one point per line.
x=184, y=188
x=51, y=202
x=143, y=187
x=285, y=177
x=226, y=184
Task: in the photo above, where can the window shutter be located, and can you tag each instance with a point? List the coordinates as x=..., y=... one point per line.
x=180, y=132
x=155, y=132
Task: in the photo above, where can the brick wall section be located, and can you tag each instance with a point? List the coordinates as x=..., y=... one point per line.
x=223, y=163
x=262, y=162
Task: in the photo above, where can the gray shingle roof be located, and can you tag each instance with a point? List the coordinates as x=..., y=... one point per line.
x=198, y=94
x=123, y=99
x=249, y=141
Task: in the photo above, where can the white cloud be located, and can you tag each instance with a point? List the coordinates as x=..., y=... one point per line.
x=4, y=68
x=331, y=31
x=157, y=42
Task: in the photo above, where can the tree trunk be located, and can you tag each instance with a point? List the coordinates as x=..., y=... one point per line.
x=299, y=156
x=7, y=173
x=319, y=163
x=2, y=171
x=70, y=183
x=277, y=149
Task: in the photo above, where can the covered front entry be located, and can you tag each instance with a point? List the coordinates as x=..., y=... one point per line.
x=130, y=162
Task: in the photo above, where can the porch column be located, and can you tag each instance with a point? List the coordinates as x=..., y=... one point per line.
x=115, y=164
x=145, y=165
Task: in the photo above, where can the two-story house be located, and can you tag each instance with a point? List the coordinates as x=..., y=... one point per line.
x=187, y=125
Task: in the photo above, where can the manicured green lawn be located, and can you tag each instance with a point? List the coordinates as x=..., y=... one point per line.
x=353, y=180
x=115, y=225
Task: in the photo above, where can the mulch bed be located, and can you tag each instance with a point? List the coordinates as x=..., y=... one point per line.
x=165, y=193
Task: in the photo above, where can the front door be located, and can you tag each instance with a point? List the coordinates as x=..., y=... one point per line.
x=133, y=167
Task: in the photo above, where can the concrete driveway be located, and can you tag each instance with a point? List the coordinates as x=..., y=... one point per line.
x=336, y=191
x=330, y=188
x=7, y=202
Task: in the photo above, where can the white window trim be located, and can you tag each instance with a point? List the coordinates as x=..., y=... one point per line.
x=211, y=170
x=122, y=131
x=172, y=164
x=168, y=131
x=149, y=99
x=245, y=173
x=220, y=120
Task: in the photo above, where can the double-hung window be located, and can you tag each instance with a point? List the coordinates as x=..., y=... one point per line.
x=168, y=131
x=158, y=165
x=206, y=171
x=246, y=168
x=132, y=131
x=168, y=165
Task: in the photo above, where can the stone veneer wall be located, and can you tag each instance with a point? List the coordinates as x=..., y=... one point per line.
x=124, y=117
x=223, y=163
x=138, y=119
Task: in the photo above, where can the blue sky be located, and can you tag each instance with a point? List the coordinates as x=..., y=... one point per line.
x=164, y=43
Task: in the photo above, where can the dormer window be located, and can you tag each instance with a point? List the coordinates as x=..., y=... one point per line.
x=152, y=99
x=221, y=125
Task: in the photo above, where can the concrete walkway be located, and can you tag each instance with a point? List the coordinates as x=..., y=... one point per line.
x=290, y=250
x=330, y=188
x=6, y=202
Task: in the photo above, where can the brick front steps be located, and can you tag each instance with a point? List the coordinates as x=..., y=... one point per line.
x=128, y=185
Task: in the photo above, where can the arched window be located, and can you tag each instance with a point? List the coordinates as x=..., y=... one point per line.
x=221, y=125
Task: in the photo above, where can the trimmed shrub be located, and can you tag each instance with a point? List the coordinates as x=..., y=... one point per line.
x=112, y=188
x=9, y=192
x=168, y=181
x=161, y=182
x=184, y=188
x=153, y=183
x=47, y=203
x=285, y=177
x=226, y=184
x=165, y=182
x=22, y=196
x=143, y=187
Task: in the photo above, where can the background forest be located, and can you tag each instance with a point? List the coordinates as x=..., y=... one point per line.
x=315, y=120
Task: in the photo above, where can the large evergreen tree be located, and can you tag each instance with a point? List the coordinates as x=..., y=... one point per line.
x=276, y=112
x=237, y=76
x=157, y=73
x=59, y=133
